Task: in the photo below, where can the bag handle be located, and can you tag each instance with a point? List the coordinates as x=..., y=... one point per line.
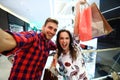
x=82, y=1
x=81, y=5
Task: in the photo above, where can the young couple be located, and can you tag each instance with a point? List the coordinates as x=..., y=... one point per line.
x=31, y=51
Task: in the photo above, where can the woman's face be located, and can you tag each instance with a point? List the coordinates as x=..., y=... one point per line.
x=64, y=41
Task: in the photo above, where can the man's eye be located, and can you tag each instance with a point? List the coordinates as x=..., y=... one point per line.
x=50, y=27
x=55, y=30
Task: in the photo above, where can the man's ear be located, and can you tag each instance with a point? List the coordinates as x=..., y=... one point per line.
x=42, y=29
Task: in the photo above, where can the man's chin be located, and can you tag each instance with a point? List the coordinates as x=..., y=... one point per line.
x=49, y=38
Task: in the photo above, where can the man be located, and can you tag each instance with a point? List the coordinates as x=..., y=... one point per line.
x=31, y=50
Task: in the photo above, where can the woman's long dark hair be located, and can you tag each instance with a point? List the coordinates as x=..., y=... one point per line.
x=73, y=52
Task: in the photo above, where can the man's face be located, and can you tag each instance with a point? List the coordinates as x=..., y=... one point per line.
x=50, y=30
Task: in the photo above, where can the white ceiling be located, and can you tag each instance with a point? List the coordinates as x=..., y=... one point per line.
x=33, y=11
x=36, y=11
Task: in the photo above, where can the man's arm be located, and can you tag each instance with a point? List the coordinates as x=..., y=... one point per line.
x=7, y=41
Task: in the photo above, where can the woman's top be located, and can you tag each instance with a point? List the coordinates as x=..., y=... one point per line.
x=72, y=70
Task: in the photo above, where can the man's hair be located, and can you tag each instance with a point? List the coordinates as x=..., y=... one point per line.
x=51, y=20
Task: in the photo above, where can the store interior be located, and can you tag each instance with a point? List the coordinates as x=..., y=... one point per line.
x=99, y=64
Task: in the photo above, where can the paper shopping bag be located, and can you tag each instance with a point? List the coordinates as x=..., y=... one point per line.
x=85, y=29
x=100, y=26
x=48, y=75
x=82, y=25
x=90, y=23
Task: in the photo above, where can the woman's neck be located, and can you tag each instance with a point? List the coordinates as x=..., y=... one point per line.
x=65, y=51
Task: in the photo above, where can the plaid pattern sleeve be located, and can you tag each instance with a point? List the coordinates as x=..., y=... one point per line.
x=22, y=39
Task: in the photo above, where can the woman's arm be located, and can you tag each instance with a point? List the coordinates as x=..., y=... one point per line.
x=7, y=41
x=54, y=62
x=53, y=68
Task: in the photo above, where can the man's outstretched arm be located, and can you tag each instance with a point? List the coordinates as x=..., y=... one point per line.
x=7, y=41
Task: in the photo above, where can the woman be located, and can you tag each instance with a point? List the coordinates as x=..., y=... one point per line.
x=69, y=58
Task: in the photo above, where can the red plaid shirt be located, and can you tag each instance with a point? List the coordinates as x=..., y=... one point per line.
x=31, y=55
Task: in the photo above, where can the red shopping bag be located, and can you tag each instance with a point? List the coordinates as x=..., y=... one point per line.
x=82, y=25
x=85, y=29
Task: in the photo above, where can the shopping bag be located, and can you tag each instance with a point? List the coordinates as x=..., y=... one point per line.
x=48, y=75
x=85, y=29
x=90, y=23
x=82, y=25
x=100, y=26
